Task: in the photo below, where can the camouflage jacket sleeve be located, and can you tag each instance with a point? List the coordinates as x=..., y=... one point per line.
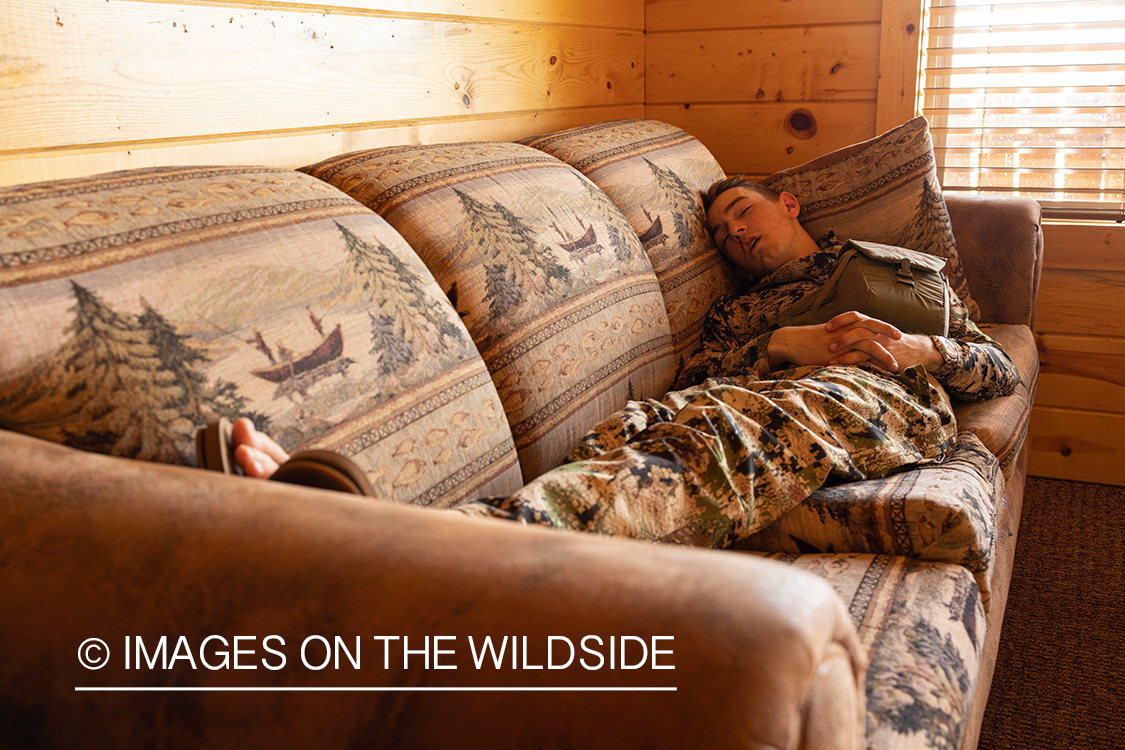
x=982, y=370
x=737, y=331
x=736, y=334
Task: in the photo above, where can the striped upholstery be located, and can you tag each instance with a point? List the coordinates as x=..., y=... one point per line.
x=1002, y=423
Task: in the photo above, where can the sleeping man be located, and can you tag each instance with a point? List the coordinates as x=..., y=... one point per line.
x=763, y=415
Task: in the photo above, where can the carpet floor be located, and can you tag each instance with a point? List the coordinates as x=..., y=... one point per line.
x=1060, y=671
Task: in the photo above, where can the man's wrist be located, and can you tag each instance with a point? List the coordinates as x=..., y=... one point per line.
x=773, y=354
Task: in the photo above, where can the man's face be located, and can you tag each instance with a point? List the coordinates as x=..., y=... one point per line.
x=755, y=232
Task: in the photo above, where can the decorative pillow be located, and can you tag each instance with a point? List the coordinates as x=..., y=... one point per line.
x=655, y=172
x=883, y=190
x=548, y=276
x=139, y=306
x=941, y=513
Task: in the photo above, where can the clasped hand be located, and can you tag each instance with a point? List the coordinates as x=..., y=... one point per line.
x=851, y=338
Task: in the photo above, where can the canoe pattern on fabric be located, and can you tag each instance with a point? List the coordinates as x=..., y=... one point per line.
x=161, y=300
x=547, y=275
x=655, y=172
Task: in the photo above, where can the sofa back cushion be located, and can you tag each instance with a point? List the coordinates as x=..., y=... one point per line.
x=655, y=173
x=551, y=281
x=138, y=306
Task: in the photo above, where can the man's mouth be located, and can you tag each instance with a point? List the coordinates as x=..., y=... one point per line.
x=752, y=245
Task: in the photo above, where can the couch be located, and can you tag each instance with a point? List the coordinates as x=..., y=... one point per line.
x=453, y=317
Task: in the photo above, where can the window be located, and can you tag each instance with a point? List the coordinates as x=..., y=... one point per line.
x=1028, y=98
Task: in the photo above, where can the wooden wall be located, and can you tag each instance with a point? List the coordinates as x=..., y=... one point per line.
x=1078, y=425
x=773, y=83
x=92, y=85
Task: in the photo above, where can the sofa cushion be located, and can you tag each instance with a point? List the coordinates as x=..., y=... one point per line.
x=883, y=190
x=548, y=276
x=655, y=173
x=940, y=513
x=1001, y=423
x=139, y=306
x=921, y=627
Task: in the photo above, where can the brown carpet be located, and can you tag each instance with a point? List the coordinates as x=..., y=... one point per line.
x=1060, y=672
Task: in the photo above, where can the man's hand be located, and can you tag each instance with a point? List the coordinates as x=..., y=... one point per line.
x=851, y=338
x=257, y=453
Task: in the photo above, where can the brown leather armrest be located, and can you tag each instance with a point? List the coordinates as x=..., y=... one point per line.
x=1000, y=240
x=92, y=546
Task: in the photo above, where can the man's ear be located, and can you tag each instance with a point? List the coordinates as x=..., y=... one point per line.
x=791, y=205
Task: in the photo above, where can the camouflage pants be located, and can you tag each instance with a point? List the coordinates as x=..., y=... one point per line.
x=713, y=464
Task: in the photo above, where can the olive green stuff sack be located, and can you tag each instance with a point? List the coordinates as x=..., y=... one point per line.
x=905, y=288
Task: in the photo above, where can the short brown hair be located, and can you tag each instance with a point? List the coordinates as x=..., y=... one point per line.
x=738, y=180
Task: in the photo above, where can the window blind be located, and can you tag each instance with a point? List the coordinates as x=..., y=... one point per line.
x=1028, y=98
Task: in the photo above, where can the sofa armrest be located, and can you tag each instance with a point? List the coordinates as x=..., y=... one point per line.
x=99, y=547
x=1000, y=240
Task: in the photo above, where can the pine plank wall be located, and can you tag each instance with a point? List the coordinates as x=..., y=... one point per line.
x=94, y=85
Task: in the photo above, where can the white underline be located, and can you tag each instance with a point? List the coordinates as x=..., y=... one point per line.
x=369, y=689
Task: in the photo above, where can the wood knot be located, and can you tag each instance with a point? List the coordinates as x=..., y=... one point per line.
x=801, y=123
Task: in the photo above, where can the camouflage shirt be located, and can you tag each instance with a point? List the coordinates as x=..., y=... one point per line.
x=738, y=329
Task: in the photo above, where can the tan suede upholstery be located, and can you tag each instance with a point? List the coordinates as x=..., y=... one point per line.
x=1000, y=240
x=764, y=656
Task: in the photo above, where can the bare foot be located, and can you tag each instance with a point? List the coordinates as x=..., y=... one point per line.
x=257, y=453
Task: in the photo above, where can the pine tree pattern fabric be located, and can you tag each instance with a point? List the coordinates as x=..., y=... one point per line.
x=162, y=300
x=672, y=191
x=549, y=278
x=654, y=173
x=517, y=269
x=921, y=629
x=122, y=384
x=404, y=326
